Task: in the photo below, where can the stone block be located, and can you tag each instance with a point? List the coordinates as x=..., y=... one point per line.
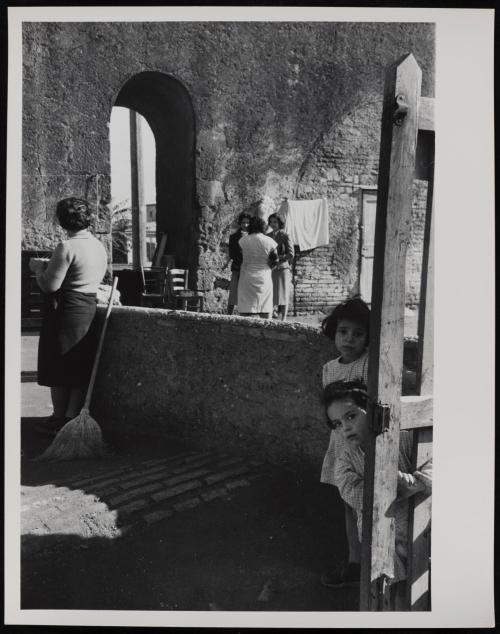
x=187, y=504
x=155, y=473
x=236, y=484
x=214, y=494
x=186, y=476
x=177, y=490
x=132, y=507
x=156, y=516
x=217, y=477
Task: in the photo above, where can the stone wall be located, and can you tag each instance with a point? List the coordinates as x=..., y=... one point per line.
x=240, y=385
x=245, y=386
x=266, y=109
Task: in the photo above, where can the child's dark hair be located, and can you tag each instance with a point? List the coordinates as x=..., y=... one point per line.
x=355, y=310
x=74, y=214
x=242, y=216
x=338, y=390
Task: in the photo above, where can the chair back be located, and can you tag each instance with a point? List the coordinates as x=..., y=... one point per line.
x=154, y=280
x=178, y=280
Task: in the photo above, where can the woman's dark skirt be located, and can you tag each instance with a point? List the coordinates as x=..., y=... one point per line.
x=68, y=339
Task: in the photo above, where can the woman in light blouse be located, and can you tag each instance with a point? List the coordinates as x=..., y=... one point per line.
x=68, y=339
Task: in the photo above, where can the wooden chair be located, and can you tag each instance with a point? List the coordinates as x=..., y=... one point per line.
x=32, y=299
x=180, y=295
x=154, y=284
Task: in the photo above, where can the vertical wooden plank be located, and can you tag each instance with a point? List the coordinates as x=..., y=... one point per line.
x=368, y=215
x=420, y=506
x=425, y=353
x=396, y=167
x=139, y=249
x=426, y=114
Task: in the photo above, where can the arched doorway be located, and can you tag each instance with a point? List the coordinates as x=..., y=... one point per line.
x=165, y=104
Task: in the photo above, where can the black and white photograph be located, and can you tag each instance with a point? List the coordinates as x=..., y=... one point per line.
x=238, y=322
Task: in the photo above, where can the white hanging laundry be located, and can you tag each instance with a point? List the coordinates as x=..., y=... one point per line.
x=306, y=222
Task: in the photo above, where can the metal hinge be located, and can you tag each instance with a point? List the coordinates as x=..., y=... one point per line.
x=381, y=418
x=401, y=110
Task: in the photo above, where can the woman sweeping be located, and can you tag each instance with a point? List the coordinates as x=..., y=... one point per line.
x=255, y=286
x=68, y=339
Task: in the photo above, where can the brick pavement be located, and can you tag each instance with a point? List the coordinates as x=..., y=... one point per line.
x=115, y=501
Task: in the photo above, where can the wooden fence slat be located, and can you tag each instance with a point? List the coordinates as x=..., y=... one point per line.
x=419, y=532
x=425, y=328
x=416, y=411
x=426, y=114
x=418, y=591
x=396, y=169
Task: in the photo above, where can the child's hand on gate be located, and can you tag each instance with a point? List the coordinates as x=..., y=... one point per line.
x=408, y=485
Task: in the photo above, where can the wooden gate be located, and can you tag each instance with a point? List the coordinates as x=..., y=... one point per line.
x=407, y=117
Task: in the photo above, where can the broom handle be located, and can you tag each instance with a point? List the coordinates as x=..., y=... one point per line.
x=90, y=389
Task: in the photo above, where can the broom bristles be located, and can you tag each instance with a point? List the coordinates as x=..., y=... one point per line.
x=80, y=437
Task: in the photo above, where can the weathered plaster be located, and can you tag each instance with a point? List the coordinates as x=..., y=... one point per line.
x=280, y=109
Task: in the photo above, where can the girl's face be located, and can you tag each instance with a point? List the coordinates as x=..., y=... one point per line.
x=351, y=419
x=274, y=224
x=245, y=223
x=350, y=340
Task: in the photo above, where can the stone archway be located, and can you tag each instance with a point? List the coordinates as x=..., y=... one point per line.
x=166, y=105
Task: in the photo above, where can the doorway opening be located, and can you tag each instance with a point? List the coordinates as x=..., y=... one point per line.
x=125, y=167
x=367, y=242
x=154, y=116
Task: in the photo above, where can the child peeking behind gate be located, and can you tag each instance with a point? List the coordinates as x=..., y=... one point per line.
x=345, y=405
x=348, y=327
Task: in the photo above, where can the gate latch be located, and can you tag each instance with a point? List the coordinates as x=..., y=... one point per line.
x=381, y=418
x=401, y=110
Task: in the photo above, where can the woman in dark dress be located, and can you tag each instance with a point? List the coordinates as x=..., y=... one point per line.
x=68, y=338
x=281, y=273
x=237, y=257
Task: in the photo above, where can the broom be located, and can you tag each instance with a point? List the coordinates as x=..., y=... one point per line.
x=81, y=437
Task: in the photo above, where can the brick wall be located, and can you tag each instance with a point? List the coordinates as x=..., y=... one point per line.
x=343, y=163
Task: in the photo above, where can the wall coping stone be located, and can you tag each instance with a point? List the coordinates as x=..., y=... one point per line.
x=266, y=328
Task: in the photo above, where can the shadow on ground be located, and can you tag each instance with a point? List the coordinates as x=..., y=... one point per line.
x=263, y=547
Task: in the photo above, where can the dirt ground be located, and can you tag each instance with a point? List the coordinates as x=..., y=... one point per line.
x=262, y=547
x=121, y=533
x=156, y=526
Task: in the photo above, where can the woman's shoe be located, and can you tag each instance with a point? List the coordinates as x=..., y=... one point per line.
x=51, y=425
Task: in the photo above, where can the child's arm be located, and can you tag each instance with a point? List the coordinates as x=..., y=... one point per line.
x=349, y=478
x=408, y=485
x=419, y=480
x=424, y=474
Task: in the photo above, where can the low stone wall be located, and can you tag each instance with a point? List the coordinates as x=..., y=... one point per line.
x=245, y=386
